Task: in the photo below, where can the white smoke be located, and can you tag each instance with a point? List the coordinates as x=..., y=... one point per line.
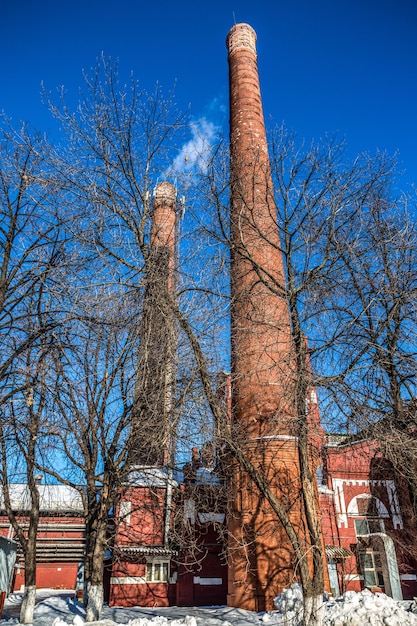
x=195, y=154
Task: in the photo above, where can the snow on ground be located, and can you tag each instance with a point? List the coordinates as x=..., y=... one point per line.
x=351, y=609
x=361, y=609
x=57, y=611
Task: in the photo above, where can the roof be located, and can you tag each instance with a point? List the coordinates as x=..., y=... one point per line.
x=144, y=476
x=146, y=550
x=387, y=425
x=337, y=552
x=53, y=498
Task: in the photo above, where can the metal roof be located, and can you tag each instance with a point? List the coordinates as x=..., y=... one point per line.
x=146, y=550
x=53, y=498
x=337, y=552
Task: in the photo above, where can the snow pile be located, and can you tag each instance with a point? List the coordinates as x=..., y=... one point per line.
x=141, y=621
x=366, y=608
x=163, y=621
x=77, y=621
x=290, y=604
x=351, y=609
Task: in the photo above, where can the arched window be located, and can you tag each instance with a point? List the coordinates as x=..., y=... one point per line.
x=370, y=512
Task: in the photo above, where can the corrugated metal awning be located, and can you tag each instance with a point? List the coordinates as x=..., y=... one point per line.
x=337, y=552
x=146, y=550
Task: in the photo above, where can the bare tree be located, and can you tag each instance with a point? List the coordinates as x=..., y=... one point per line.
x=110, y=381
x=91, y=426
x=28, y=228
x=317, y=196
x=117, y=371
x=30, y=251
x=379, y=251
x=21, y=426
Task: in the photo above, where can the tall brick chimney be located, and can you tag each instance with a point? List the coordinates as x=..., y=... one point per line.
x=163, y=229
x=157, y=341
x=260, y=555
x=260, y=319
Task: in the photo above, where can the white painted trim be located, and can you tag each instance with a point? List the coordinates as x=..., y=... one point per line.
x=394, y=504
x=408, y=577
x=342, y=511
x=207, y=581
x=269, y=437
x=128, y=580
x=352, y=509
x=125, y=509
x=138, y=580
x=339, y=502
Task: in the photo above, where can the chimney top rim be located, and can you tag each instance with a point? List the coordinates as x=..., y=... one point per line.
x=241, y=35
x=165, y=190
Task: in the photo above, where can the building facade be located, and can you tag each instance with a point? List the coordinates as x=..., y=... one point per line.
x=61, y=535
x=369, y=532
x=367, y=525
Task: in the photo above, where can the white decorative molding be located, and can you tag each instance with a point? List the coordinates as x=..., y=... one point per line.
x=275, y=438
x=138, y=580
x=339, y=502
x=198, y=580
x=127, y=580
x=353, y=511
x=394, y=504
x=342, y=511
x=125, y=509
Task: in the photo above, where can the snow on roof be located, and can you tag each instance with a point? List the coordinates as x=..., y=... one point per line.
x=143, y=476
x=53, y=498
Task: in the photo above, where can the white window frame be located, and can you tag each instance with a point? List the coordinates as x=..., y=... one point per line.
x=371, y=568
x=367, y=521
x=157, y=570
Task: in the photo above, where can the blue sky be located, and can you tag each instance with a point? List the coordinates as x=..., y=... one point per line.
x=346, y=66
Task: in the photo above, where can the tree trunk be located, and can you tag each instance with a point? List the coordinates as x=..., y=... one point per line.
x=313, y=610
x=28, y=604
x=94, y=602
x=94, y=585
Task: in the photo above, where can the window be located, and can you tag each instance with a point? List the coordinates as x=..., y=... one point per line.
x=367, y=506
x=361, y=527
x=368, y=526
x=362, y=504
x=157, y=571
x=370, y=563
